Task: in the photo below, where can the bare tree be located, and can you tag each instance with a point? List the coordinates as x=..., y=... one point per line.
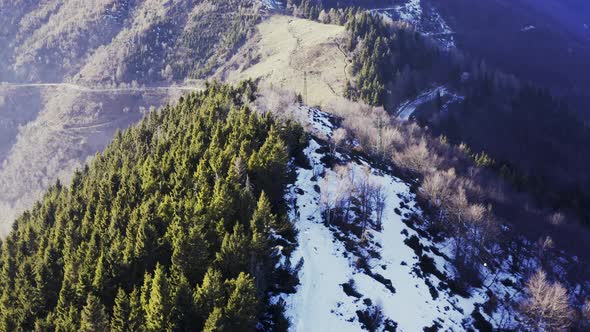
x=439, y=187
x=328, y=200
x=371, y=198
x=324, y=17
x=346, y=177
x=363, y=193
x=336, y=193
x=337, y=140
x=546, y=307
x=417, y=158
x=339, y=137
x=379, y=200
x=544, y=251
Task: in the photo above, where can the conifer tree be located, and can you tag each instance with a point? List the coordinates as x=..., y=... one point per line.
x=233, y=255
x=216, y=321
x=271, y=157
x=210, y=293
x=94, y=317
x=99, y=275
x=135, y=322
x=242, y=305
x=189, y=254
x=261, y=223
x=121, y=312
x=183, y=315
x=158, y=306
x=66, y=294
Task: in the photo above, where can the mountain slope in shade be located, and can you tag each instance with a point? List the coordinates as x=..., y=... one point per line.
x=546, y=41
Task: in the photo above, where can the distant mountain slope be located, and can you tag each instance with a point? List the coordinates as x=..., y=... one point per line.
x=109, y=48
x=547, y=41
x=113, y=41
x=52, y=130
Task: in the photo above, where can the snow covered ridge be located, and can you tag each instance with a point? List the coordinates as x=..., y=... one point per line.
x=365, y=261
x=385, y=275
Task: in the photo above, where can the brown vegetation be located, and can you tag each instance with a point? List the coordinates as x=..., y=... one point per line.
x=547, y=305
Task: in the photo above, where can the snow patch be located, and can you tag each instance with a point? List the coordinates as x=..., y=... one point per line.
x=410, y=11
x=425, y=20
x=272, y=4
x=333, y=291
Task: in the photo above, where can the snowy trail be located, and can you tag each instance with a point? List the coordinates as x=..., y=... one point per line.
x=314, y=302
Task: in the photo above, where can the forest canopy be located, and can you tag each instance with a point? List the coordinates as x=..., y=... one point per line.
x=168, y=229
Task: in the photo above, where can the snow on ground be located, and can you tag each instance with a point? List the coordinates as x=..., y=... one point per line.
x=407, y=109
x=410, y=11
x=272, y=4
x=334, y=291
x=424, y=18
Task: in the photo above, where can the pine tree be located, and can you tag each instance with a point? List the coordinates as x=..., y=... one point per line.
x=233, y=256
x=216, y=321
x=120, y=312
x=268, y=166
x=210, y=293
x=94, y=317
x=66, y=294
x=189, y=253
x=99, y=275
x=158, y=307
x=69, y=322
x=183, y=316
x=135, y=322
x=261, y=223
x=242, y=305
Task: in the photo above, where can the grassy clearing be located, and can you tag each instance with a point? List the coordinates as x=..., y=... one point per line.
x=284, y=48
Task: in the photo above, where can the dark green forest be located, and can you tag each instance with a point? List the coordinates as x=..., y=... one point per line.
x=536, y=142
x=171, y=228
